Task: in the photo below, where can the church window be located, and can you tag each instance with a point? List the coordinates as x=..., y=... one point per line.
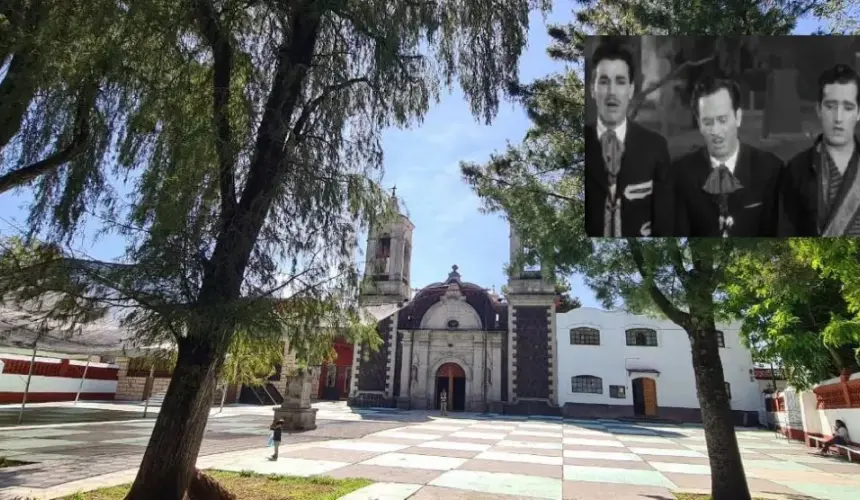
x=645, y=337
x=721, y=338
x=587, y=384
x=584, y=336
x=617, y=391
x=453, y=323
x=383, y=248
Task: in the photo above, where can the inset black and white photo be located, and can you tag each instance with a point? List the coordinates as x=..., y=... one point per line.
x=721, y=136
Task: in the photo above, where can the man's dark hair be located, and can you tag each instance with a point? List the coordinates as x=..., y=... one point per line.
x=710, y=85
x=841, y=73
x=613, y=51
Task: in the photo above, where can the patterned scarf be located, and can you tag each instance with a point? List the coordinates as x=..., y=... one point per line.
x=829, y=182
x=613, y=150
x=721, y=183
x=837, y=197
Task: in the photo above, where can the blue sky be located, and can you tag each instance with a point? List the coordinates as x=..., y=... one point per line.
x=423, y=162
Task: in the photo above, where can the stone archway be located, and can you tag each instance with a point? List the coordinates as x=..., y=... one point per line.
x=451, y=377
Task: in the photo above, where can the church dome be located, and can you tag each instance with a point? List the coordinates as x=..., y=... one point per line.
x=488, y=312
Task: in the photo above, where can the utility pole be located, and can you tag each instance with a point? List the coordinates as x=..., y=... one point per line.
x=83, y=378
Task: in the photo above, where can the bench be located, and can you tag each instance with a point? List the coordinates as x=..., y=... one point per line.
x=849, y=450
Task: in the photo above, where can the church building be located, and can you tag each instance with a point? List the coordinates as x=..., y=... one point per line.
x=517, y=355
x=489, y=354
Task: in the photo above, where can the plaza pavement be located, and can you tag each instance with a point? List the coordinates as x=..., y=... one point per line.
x=420, y=456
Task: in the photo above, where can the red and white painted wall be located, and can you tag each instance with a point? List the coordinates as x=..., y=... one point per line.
x=55, y=379
x=801, y=415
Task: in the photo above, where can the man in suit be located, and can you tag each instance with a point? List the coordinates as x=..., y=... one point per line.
x=821, y=192
x=627, y=189
x=726, y=188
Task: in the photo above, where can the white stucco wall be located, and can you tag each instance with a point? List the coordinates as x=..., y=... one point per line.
x=676, y=385
x=822, y=421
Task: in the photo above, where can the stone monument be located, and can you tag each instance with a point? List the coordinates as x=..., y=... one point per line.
x=296, y=409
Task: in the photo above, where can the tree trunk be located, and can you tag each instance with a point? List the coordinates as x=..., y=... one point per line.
x=728, y=479
x=169, y=463
x=204, y=487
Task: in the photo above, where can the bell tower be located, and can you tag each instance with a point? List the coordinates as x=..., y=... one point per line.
x=388, y=260
x=532, y=363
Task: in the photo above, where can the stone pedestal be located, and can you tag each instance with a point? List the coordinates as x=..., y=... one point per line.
x=296, y=409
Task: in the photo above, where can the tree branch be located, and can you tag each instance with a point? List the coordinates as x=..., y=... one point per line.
x=222, y=53
x=673, y=313
x=639, y=98
x=678, y=263
x=318, y=100
x=503, y=182
x=85, y=104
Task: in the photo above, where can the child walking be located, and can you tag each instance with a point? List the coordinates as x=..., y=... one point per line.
x=277, y=429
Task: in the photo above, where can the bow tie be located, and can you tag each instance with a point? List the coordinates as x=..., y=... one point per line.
x=722, y=181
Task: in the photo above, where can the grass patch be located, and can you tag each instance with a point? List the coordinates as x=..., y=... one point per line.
x=5, y=462
x=249, y=485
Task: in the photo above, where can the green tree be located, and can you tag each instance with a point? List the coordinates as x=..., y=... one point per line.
x=250, y=141
x=69, y=66
x=251, y=360
x=538, y=185
x=835, y=260
x=788, y=309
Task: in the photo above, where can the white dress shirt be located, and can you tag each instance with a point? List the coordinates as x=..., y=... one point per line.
x=620, y=130
x=729, y=162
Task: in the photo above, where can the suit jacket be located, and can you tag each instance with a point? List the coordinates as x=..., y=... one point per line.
x=799, y=196
x=754, y=208
x=645, y=164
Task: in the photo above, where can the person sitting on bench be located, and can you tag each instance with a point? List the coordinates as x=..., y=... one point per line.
x=840, y=437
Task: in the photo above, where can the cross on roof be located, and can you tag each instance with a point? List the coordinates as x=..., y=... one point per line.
x=394, y=191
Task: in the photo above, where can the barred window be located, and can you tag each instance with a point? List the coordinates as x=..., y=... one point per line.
x=721, y=338
x=587, y=384
x=584, y=336
x=642, y=337
x=617, y=392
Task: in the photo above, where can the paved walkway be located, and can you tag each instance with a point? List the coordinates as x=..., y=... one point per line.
x=78, y=452
x=480, y=458
x=421, y=456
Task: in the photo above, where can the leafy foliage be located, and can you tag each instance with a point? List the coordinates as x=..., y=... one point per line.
x=251, y=360
x=683, y=280
x=787, y=309
x=243, y=159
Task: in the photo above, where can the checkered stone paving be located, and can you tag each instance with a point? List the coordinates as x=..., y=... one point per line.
x=554, y=459
x=91, y=450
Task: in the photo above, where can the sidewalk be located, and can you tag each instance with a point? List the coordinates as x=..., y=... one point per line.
x=126, y=476
x=501, y=457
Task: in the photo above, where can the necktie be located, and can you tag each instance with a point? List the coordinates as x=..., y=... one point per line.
x=613, y=150
x=722, y=182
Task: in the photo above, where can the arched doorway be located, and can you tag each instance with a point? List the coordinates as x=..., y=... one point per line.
x=644, y=397
x=452, y=378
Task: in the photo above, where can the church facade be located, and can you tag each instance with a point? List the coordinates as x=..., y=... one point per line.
x=488, y=354
x=518, y=355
